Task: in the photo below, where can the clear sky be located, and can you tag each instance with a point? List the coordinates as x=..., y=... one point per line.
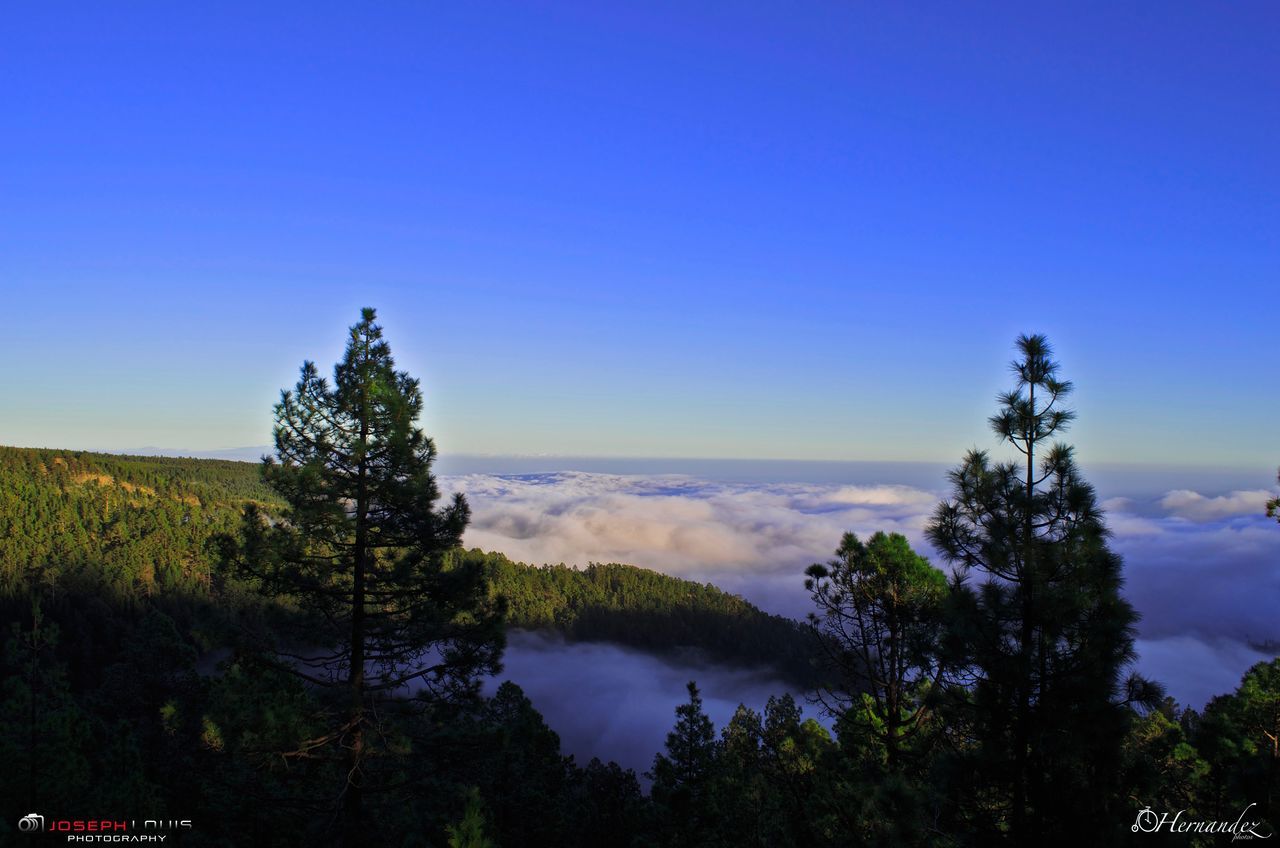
x=796, y=229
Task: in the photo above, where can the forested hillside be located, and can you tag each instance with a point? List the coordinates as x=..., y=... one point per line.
x=111, y=590
x=131, y=528
x=650, y=611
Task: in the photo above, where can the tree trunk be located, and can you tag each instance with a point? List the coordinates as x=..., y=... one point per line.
x=32, y=760
x=353, y=796
x=1022, y=722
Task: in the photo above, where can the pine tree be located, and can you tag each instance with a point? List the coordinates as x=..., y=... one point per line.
x=45, y=735
x=469, y=833
x=1047, y=634
x=363, y=551
x=769, y=779
x=1239, y=735
x=879, y=624
x=525, y=776
x=682, y=776
x=1273, y=505
x=608, y=807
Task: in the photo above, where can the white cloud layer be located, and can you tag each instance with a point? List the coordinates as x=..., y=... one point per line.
x=730, y=533
x=1193, y=506
x=1203, y=570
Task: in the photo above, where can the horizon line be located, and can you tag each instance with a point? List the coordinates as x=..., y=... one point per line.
x=212, y=453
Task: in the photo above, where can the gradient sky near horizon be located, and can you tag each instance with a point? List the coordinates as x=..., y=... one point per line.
x=805, y=230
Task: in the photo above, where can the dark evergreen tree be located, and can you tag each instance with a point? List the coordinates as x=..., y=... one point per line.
x=1239, y=735
x=608, y=808
x=770, y=786
x=1273, y=505
x=1163, y=770
x=360, y=548
x=469, y=833
x=1046, y=634
x=748, y=802
x=526, y=778
x=879, y=625
x=682, y=776
x=45, y=736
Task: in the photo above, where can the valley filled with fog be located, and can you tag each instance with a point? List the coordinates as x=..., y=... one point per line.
x=752, y=527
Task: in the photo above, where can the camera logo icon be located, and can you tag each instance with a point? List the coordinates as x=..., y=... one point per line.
x=31, y=822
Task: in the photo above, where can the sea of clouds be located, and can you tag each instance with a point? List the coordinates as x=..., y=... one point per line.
x=1200, y=565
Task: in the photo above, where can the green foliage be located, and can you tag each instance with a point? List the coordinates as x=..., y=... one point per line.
x=469, y=833
x=1273, y=505
x=1163, y=770
x=528, y=777
x=1239, y=736
x=361, y=545
x=771, y=779
x=606, y=807
x=45, y=736
x=1047, y=634
x=57, y=747
x=682, y=776
x=361, y=549
x=880, y=625
x=128, y=527
x=649, y=611
x=989, y=709
x=155, y=549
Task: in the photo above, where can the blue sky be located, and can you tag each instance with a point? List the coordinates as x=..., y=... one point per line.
x=805, y=230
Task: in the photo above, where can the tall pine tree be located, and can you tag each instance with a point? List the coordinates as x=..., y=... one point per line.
x=362, y=550
x=682, y=777
x=1046, y=635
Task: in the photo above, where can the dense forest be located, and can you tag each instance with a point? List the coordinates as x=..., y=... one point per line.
x=650, y=611
x=290, y=654
x=135, y=531
x=116, y=613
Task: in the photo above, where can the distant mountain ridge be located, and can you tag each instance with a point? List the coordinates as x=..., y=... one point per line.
x=251, y=453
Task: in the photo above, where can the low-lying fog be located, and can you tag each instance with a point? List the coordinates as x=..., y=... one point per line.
x=618, y=704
